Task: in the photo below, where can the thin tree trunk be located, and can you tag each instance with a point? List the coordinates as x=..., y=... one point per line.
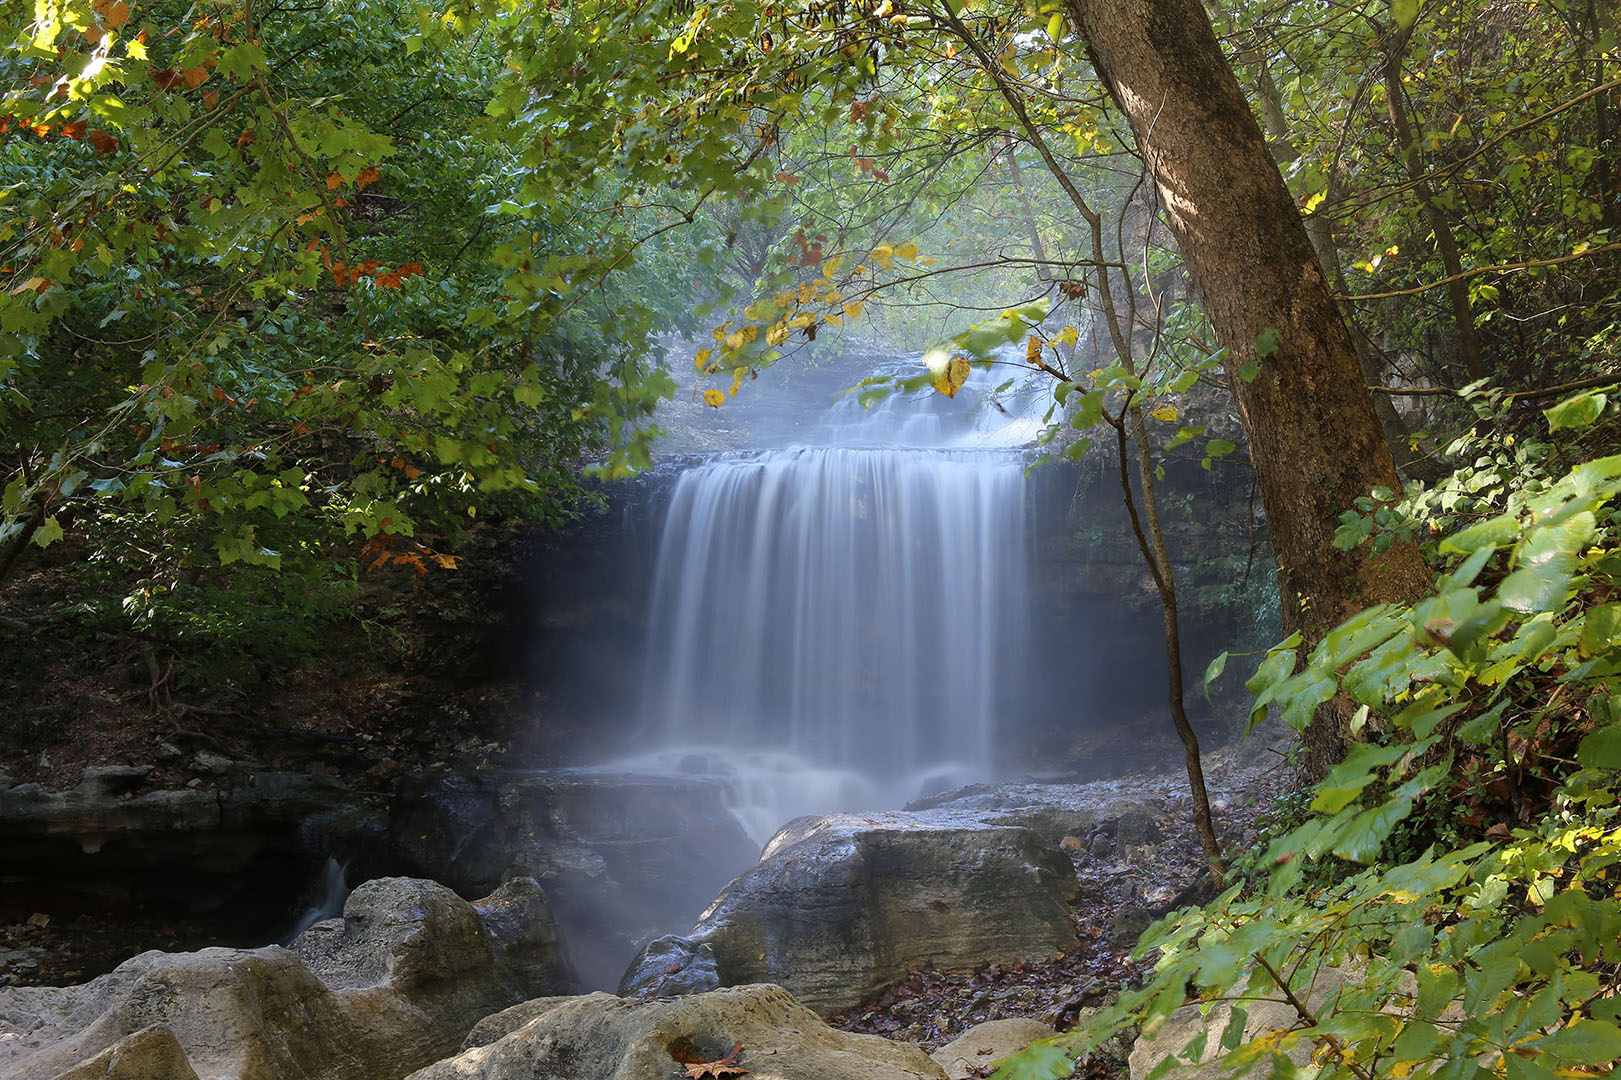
x=1314, y=438
x=1446, y=244
x=1152, y=546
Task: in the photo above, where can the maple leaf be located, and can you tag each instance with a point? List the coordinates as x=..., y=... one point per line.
x=74, y=130
x=194, y=77
x=334, y=181
x=405, y=270
x=367, y=177
x=103, y=142
x=718, y=1069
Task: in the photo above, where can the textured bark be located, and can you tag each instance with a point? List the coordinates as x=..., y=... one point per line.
x=1314, y=439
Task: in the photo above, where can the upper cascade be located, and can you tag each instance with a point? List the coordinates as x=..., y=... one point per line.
x=845, y=619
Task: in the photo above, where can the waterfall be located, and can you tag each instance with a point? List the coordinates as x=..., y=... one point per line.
x=840, y=626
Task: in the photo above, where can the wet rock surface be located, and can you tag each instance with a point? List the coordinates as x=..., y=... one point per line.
x=393, y=985
x=670, y=966
x=761, y=1028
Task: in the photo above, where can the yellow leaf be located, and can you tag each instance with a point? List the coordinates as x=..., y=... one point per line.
x=1166, y=413
x=714, y=398
x=906, y=251
x=737, y=379
x=832, y=265
x=1069, y=335
x=883, y=255
x=701, y=359
x=777, y=334
x=949, y=374
x=1032, y=349
x=854, y=308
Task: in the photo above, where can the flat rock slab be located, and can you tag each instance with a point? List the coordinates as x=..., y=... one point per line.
x=842, y=905
x=601, y=1037
x=393, y=985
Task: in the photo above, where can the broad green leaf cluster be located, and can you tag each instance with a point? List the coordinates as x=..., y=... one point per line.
x=1461, y=862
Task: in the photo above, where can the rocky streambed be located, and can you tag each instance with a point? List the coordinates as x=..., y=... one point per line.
x=1013, y=905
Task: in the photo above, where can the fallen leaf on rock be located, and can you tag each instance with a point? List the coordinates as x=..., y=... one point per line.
x=718, y=1069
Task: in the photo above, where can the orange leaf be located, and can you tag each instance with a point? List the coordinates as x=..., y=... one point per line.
x=340, y=202
x=194, y=76
x=367, y=269
x=412, y=472
x=74, y=130
x=167, y=79
x=368, y=176
x=718, y=1069
x=244, y=139
x=405, y=270
x=388, y=281
x=333, y=181
x=211, y=98
x=341, y=275
x=103, y=142
x=448, y=562
x=115, y=14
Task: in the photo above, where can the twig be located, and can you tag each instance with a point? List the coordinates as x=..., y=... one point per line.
x=1500, y=268
x=1311, y=1020
x=1520, y=395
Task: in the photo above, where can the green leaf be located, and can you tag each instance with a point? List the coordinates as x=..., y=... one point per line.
x=48, y=533
x=1404, y=12
x=1601, y=749
x=1267, y=343
x=1540, y=587
x=1217, y=666
x=1601, y=629
x=1219, y=448
x=1038, y=1061
x=1576, y=412
x=1491, y=533
x=1585, y=1042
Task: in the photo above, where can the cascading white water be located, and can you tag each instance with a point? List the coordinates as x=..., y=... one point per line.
x=838, y=626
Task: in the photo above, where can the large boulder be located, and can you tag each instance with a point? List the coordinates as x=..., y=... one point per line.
x=620, y=854
x=393, y=985
x=976, y=1051
x=601, y=1037
x=841, y=906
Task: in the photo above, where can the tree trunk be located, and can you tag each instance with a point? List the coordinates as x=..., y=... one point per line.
x=1314, y=439
x=1463, y=316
